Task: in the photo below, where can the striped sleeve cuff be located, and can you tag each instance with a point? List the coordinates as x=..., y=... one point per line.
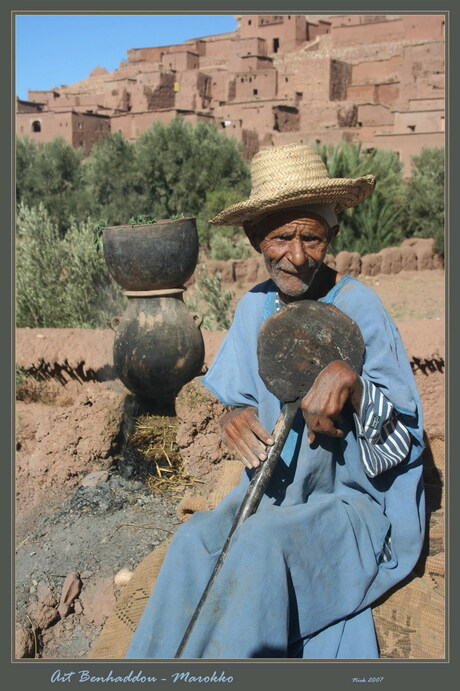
x=383, y=440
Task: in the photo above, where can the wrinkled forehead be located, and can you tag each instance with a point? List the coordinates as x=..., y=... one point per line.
x=293, y=217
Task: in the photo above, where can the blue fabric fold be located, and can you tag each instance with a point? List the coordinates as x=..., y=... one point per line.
x=303, y=571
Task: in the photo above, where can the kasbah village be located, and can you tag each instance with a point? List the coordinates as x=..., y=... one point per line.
x=88, y=524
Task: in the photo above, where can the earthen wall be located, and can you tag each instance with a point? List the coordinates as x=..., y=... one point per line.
x=45, y=97
x=132, y=125
x=255, y=86
x=250, y=46
x=377, y=70
x=193, y=90
x=396, y=28
x=77, y=129
x=153, y=54
x=180, y=61
x=310, y=76
x=426, y=104
x=220, y=85
x=218, y=48
x=253, y=116
x=28, y=107
x=374, y=114
x=282, y=32
x=374, y=79
x=316, y=29
x=419, y=121
x=407, y=147
x=87, y=130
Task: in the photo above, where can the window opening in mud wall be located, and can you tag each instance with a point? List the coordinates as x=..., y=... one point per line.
x=276, y=45
x=36, y=126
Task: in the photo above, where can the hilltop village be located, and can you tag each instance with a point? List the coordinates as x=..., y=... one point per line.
x=374, y=79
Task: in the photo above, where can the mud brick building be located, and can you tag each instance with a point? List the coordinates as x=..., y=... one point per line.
x=374, y=79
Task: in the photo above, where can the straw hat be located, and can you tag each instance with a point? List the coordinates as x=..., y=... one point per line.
x=289, y=176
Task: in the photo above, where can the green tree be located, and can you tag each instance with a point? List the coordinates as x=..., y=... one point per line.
x=50, y=174
x=424, y=203
x=26, y=152
x=378, y=221
x=223, y=242
x=179, y=164
x=109, y=176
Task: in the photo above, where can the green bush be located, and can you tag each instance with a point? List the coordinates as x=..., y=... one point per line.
x=225, y=248
x=424, y=203
x=208, y=291
x=378, y=221
x=61, y=281
x=216, y=201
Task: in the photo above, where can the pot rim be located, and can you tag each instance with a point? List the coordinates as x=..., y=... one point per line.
x=161, y=221
x=153, y=293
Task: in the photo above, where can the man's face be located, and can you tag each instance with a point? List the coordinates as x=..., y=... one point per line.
x=294, y=247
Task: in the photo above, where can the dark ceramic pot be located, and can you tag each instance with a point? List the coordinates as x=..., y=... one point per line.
x=158, y=346
x=151, y=256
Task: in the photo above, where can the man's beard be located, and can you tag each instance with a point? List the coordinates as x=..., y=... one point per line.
x=283, y=280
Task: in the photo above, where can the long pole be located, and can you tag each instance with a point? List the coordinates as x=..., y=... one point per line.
x=249, y=505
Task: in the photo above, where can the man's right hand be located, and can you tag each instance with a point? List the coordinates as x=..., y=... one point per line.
x=244, y=436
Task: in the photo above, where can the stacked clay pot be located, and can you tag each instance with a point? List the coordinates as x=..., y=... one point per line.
x=158, y=345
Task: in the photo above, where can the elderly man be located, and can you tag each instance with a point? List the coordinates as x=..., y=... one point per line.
x=342, y=519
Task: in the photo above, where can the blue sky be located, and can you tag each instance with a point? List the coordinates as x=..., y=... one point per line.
x=56, y=49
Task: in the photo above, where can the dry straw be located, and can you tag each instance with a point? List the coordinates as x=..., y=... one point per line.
x=289, y=176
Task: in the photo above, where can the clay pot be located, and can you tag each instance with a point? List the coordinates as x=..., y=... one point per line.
x=158, y=345
x=151, y=256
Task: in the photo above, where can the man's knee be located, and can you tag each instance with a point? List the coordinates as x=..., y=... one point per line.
x=260, y=531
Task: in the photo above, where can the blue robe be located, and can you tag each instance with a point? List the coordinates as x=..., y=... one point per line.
x=303, y=571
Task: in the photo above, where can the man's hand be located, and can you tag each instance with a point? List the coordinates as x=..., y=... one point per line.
x=244, y=436
x=332, y=388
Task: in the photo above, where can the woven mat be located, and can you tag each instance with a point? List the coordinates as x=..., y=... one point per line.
x=409, y=620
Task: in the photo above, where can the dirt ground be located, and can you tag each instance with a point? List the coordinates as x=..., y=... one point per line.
x=85, y=512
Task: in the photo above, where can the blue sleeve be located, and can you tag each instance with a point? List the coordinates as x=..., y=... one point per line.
x=385, y=361
x=233, y=376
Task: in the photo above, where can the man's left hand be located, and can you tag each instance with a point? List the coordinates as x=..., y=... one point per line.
x=322, y=406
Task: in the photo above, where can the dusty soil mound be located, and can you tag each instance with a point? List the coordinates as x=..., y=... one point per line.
x=86, y=515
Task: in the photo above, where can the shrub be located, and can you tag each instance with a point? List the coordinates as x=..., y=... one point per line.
x=236, y=247
x=216, y=200
x=378, y=221
x=61, y=282
x=208, y=291
x=424, y=203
